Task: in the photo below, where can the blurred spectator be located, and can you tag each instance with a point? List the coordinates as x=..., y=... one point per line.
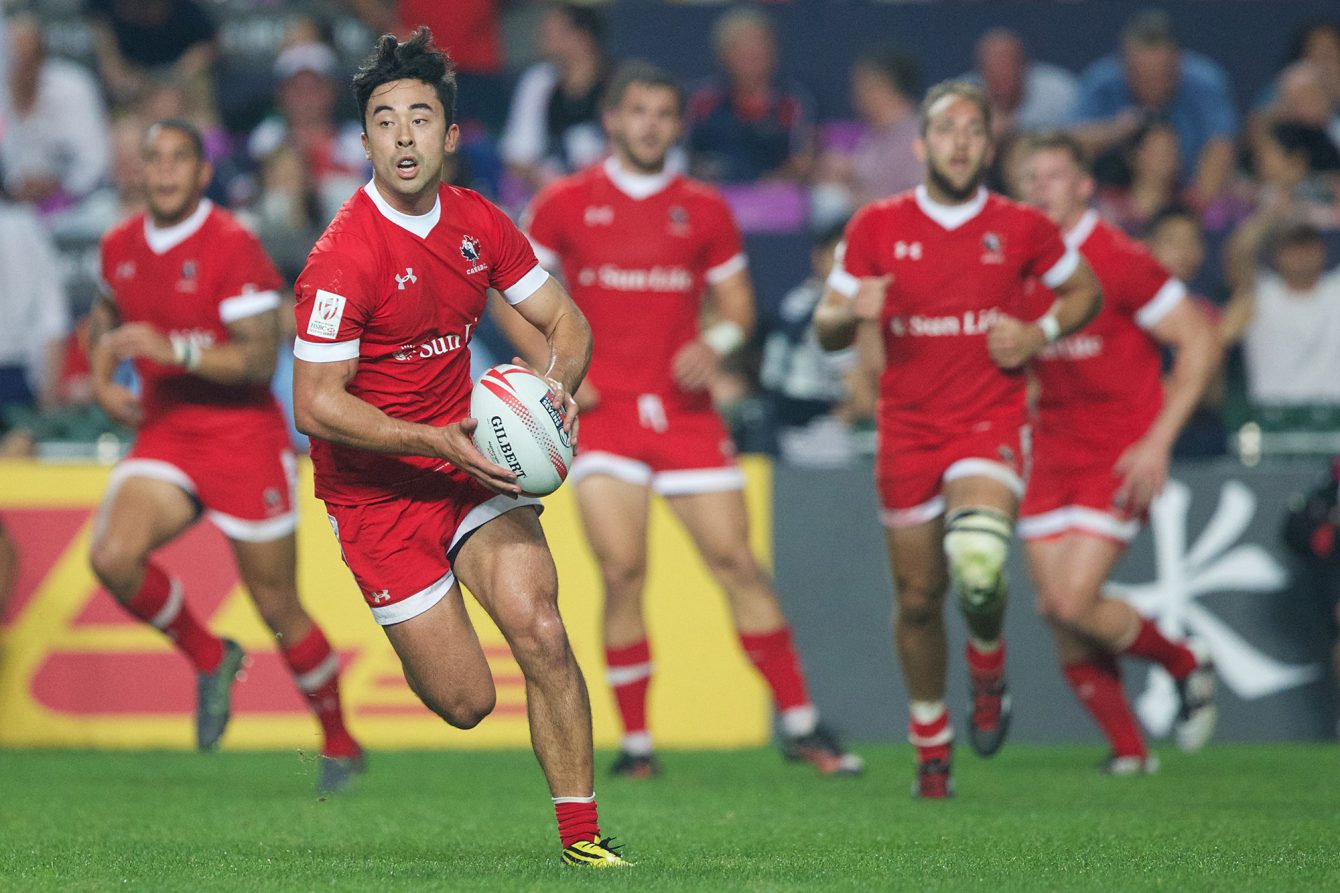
x=881, y=160
x=1304, y=99
x=1026, y=96
x=553, y=126
x=743, y=127
x=35, y=311
x=136, y=40
x=109, y=205
x=1149, y=179
x=310, y=161
x=814, y=397
x=1288, y=317
x=55, y=146
x=1298, y=172
x=1154, y=78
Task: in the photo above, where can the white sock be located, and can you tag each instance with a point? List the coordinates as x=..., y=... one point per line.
x=636, y=743
x=800, y=721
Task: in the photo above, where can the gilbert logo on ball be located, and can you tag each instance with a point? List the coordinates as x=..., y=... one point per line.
x=521, y=428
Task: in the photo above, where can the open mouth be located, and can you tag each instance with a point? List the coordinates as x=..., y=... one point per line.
x=407, y=168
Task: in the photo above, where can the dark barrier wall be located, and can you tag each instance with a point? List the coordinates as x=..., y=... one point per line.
x=1210, y=563
x=819, y=38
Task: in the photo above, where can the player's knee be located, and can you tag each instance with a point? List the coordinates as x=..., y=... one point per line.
x=734, y=567
x=539, y=640
x=623, y=578
x=469, y=711
x=918, y=604
x=976, y=545
x=115, y=563
x=1064, y=606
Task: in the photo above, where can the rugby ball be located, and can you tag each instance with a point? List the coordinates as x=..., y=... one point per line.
x=521, y=428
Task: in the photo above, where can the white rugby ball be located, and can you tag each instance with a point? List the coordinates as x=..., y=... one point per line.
x=521, y=428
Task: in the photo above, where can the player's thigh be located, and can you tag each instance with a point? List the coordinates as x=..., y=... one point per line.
x=718, y=523
x=441, y=655
x=980, y=491
x=917, y=560
x=138, y=515
x=614, y=516
x=1069, y=571
x=507, y=566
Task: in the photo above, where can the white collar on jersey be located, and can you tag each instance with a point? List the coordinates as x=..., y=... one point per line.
x=950, y=216
x=163, y=239
x=639, y=186
x=419, y=224
x=1081, y=230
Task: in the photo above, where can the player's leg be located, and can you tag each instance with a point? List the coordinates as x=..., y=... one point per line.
x=718, y=523
x=978, y=529
x=269, y=571
x=614, y=516
x=138, y=515
x=506, y=564
x=920, y=579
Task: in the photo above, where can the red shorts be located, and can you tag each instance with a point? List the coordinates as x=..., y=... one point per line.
x=400, y=549
x=643, y=441
x=910, y=474
x=245, y=482
x=1073, y=488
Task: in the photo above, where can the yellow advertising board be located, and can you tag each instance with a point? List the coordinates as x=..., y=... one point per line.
x=76, y=671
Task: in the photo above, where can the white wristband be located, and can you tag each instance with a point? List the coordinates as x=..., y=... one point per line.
x=724, y=336
x=1051, y=329
x=185, y=352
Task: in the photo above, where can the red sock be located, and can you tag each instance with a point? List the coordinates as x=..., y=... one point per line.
x=775, y=658
x=932, y=738
x=160, y=604
x=1151, y=644
x=629, y=674
x=316, y=671
x=986, y=664
x=1097, y=684
x=577, y=819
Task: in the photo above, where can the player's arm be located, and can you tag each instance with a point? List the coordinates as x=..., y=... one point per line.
x=1012, y=342
x=1144, y=465
x=732, y=298
x=845, y=306
x=121, y=406
x=566, y=352
x=247, y=357
x=324, y=408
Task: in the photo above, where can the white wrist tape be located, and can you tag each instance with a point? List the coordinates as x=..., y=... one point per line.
x=724, y=336
x=1051, y=329
x=185, y=352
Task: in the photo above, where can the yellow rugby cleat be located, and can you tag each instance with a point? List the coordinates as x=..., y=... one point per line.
x=594, y=854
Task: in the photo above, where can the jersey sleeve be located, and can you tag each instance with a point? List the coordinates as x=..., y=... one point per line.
x=724, y=246
x=1150, y=292
x=335, y=300
x=513, y=269
x=853, y=258
x=543, y=224
x=250, y=283
x=1048, y=257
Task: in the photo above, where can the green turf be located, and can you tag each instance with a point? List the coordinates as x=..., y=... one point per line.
x=1233, y=818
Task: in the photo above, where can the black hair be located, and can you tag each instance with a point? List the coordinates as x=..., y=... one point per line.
x=895, y=66
x=638, y=71
x=417, y=59
x=181, y=125
x=965, y=89
x=584, y=19
x=1315, y=146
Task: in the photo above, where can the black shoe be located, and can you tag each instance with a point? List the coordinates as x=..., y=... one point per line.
x=933, y=781
x=822, y=750
x=1196, y=711
x=990, y=714
x=214, y=694
x=630, y=765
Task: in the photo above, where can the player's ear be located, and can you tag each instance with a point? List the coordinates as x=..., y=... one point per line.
x=367, y=151
x=919, y=149
x=1087, y=187
x=453, y=139
x=206, y=174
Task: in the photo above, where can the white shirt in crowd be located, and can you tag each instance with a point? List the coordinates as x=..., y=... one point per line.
x=1293, y=343
x=33, y=303
x=64, y=136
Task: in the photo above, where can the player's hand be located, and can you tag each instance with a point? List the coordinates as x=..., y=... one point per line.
x=457, y=446
x=120, y=404
x=694, y=365
x=1012, y=342
x=138, y=339
x=869, y=301
x=559, y=392
x=1143, y=469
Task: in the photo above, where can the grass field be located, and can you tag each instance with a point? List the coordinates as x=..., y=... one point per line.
x=1232, y=818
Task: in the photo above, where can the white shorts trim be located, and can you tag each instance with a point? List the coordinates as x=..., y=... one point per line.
x=1063, y=269
x=911, y=517
x=625, y=675
x=318, y=675
x=966, y=468
x=527, y=285
x=416, y=604
x=486, y=511
x=325, y=353
x=691, y=481
x=630, y=471
x=1159, y=306
x=1077, y=517
x=254, y=531
x=244, y=305
x=154, y=469
x=726, y=269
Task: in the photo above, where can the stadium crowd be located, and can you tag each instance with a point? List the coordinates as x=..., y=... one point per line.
x=1242, y=203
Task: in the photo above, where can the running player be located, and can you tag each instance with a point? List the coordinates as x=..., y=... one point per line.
x=942, y=271
x=640, y=244
x=1105, y=428
x=193, y=300
x=386, y=307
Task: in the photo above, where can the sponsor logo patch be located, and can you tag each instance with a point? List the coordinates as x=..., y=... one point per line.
x=326, y=315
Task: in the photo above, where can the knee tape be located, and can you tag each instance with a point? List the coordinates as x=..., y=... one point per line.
x=976, y=544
